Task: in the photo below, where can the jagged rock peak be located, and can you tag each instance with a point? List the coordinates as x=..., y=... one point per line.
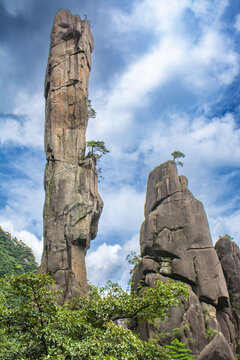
x=175, y=242
x=72, y=203
x=176, y=226
x=67, y=26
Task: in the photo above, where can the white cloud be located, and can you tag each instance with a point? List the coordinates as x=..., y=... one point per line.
x=28, y=238
x=198, y=54
x=237, y=23
x=28, y=129
x=25, y=194
x=207, y=143
x=108, y=262
x=225, y=224
x=123, y=210
x=17, y=7
x=159, y=16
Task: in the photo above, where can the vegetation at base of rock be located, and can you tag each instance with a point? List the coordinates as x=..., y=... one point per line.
x=210, y=333
x=34, y=326
x=15, y=257
x=178, y=351
x=176, y=155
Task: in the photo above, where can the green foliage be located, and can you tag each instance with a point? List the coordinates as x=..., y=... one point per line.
x=15, y=257
x=133, y=259
x=227, y=236
x=34, y=327
x=178, y=351
x=97, y=148
x=176, y=155
x=177, y=333
x=210, y=333
x=91, y=112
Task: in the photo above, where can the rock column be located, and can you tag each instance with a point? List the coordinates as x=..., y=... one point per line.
x=72, y=203
x=175, y=243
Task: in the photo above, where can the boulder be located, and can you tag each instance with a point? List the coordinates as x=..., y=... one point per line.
x=217, y=349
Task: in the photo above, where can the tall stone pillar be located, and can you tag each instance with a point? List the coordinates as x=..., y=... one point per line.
x=72, y=203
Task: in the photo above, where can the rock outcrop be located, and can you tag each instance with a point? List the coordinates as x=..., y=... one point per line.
x=229, y=256
x=72, y=203
x=175, y=243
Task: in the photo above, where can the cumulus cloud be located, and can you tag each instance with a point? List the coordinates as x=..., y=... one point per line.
x=228, y=224
x=208, y=142
x=237, y=23
x=197, y=53
x=108, y=262
x=25, y=126
x=123, y=210
x=17, y=7
x=23, y=186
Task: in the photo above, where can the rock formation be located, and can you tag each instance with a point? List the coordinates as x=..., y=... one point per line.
x=72, y=203
x=229, y=256
x=175, y=243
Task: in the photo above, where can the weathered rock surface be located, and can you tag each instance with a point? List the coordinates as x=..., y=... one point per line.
x=175, y=243
x=229, y=256
x=72, y=203
x=217, y=349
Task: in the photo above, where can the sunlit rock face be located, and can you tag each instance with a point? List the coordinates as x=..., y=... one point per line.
x=72, y=203
x=175, y=243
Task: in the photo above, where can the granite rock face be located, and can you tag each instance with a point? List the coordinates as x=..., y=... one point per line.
x=175, y=243
x=72, y=203
x=229, y=256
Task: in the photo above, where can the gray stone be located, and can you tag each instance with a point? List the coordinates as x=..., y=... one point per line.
x=177, y=227
x=229, y=256
x=217, y=349
x=72, y=203
x=183, y=181
x=180, y=213
x=175, y=236
x=162, y=182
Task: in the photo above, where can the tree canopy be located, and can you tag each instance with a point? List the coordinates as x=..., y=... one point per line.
x=15, y=256
x=176, y=155
x=33, y=326
x=97, y=148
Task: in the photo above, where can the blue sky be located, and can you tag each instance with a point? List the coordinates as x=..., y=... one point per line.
x=165, y=77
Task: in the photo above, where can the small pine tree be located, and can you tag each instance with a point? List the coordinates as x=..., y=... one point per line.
x=91, y=112
x=178, y=351
x=176, y=155
x=97, y=148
